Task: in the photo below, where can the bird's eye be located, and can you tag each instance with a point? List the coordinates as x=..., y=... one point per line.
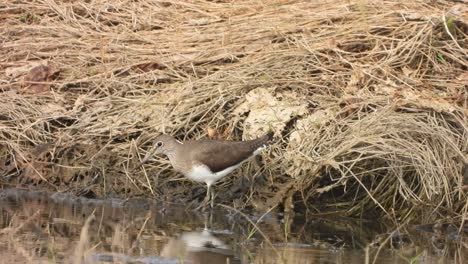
x=159, y=144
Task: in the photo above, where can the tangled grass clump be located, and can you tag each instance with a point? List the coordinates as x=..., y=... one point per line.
x=392, y=160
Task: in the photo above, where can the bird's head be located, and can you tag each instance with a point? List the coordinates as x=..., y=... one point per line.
x=163, y=145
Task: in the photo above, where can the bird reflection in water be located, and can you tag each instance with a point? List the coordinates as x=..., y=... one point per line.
x=198, y=247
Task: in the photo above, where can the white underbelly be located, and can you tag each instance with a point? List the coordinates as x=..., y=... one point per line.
x=202, y=173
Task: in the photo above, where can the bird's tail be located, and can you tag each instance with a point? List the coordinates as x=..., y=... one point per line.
x=263, y=141
x=267, y=139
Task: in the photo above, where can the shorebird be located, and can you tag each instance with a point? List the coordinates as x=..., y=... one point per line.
x=207, y=160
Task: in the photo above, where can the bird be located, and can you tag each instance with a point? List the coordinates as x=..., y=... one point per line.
x=206, y=160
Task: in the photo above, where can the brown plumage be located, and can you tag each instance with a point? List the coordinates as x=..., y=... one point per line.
x=221, y=154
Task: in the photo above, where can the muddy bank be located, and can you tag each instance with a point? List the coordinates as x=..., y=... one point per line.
x=368, y=101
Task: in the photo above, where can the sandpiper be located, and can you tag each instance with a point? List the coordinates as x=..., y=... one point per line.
x=207, y=160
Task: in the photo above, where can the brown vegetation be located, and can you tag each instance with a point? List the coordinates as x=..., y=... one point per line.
x=368, y=99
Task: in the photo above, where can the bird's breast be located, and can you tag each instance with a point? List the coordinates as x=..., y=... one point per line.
x=199, y=173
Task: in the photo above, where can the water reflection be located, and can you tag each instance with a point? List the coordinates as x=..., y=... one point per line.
x=199, y=247
x=38, y=228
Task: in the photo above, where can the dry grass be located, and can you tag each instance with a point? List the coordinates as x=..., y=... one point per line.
x=384, y=84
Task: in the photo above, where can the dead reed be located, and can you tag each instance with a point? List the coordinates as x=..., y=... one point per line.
x=368, y=99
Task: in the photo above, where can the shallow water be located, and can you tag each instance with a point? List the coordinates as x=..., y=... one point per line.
x=40, y=228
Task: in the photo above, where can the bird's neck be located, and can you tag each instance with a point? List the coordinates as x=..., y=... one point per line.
x=176, y=150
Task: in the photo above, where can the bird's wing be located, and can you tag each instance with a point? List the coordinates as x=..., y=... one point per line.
x=218, y=155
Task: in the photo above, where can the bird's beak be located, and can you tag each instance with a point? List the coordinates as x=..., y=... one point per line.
x=148, y=156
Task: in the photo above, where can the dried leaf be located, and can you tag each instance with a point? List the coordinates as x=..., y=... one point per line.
x=38, y=79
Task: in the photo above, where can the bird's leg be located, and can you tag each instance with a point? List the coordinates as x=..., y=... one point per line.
x=207, y=198
x=212, y=198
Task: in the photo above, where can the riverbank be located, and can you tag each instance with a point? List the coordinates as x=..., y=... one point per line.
x=367, y=99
